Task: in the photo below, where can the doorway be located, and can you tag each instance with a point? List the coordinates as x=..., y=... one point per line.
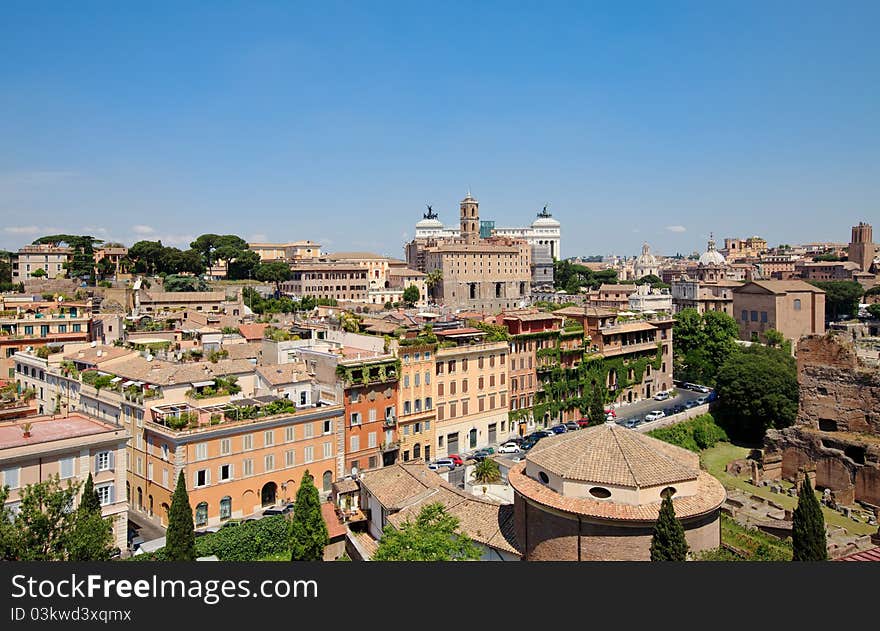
x=268, y=495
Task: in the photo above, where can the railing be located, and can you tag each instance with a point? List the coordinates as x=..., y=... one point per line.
x=390, y=421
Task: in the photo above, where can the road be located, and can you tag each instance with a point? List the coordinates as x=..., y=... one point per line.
x=641, y=408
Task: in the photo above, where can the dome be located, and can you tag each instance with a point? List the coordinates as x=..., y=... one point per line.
x=646, y=259
x=545, y=222
x=613, y=455
x=712, y=256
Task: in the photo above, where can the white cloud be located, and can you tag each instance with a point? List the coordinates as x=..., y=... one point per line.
x=23, y=229
x=676, y=228
x=142, y=229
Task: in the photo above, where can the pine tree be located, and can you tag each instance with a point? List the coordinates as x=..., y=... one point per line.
x=808, y=527
x=308, y=531
x=668, y=542
x=90, y=501
x=597, y=407
x=180, y=538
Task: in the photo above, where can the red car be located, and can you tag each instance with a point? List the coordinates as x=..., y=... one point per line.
x=456, y=459
x=582, y=423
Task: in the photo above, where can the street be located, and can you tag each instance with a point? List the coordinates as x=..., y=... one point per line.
x=640, y=408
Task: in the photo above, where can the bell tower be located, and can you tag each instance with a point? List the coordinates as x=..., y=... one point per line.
x=470, y=219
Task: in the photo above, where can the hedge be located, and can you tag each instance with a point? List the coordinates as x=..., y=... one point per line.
x=249, y=541
x=696, y=434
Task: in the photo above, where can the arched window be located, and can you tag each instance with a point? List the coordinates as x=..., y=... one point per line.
x=225, y=508
x=140, y=499
x=417, y=451
x=202, y=514
x=150, y=505
x=472, y=438
x=327, y=481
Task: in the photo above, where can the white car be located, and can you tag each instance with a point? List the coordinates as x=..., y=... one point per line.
x=509, y=448
x=654, y=415
x=661, y=396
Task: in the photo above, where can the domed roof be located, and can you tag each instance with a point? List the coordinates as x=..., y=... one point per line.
x=545, y=222
x=646, y=258
x=613, y=455
x=712, y=256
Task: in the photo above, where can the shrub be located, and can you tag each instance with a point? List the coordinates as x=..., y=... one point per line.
x=696, y=434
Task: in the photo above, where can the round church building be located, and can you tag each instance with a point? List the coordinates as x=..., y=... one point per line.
x=595, y=494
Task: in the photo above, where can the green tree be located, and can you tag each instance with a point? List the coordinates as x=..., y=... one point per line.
x=9, y=534
x=808, y=527
x=841, y=298
x=702, y=343
x=434, y=278
x=411, y=295
x=308, y=530
x=90, y=500
x=274, y=272
x=597, y=406
x=45, y=520
x=486, y=472
x=773, y=337
x=668, y=542
x=38, y=273
x=433, y=536
x=176, y=282
x=757, y=389
x=874, y=310
x=180, y=538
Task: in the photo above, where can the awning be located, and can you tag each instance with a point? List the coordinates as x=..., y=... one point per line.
x=115, y=379
x=127, y=383
x=202, y=384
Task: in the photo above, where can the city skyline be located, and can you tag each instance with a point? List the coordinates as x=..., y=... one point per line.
x=647, y=123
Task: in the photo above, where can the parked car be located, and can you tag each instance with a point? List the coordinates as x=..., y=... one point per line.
x=559, y=429
x=654, y=415
x=661, y=396
x=703, y=389
x=546, y=432
x=527, y=445
x=518, y=440
x=702, y=400
x=444, y=462
x=456, y=459
x=691, y=403
x=571, y=425
x=584, y=422
x=631, y=423
x=509, y=448
x=687, y=385
x=535, y=436
x=279, y=510
x=678, y=409
x=668, y=411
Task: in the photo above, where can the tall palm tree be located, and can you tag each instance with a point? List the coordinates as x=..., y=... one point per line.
x=433, y=279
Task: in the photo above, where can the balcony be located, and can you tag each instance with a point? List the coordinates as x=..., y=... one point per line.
x=392, y=446
x=390, y=421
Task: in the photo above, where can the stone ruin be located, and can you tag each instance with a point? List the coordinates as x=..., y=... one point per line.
x=836, y=437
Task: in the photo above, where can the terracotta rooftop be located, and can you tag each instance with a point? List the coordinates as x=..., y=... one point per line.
x=46, y=429
x=629, y=327
x=530, y=317
x=618, y=288
x=161, y=372
x=98, y=354
x=183, y=296
x=347, y=485
x=461, y=331
x=710, y=496
x=252, y=332
x=871, y=554
x=334, y=528
x=783, y=286
x=278, y=374
x=405, y=272
x=250, y=350
x=585, y=311
x=615, y=455
x=405, y=488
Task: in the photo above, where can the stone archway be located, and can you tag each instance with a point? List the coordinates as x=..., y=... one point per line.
x=269, y=494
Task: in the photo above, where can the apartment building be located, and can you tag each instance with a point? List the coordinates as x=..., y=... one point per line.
x=416, y=394
x=703, y=296
x=52, y=259
x=236, y=459
x=792, y=307
x=292, y=251
x=70, y=446
x=471, y=387
x=345, y=281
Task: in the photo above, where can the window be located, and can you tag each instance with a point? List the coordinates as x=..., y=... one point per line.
x=247, y=442
x=371, y=439
x=328, y=450
x=10, y=477
x=225, y=446
x=427, y=378
x=440, y=390
x=480, y=383
x=464, y=364
x=491, y=361
x=247, y=466
x=354, y=397
x=328, y=427
x=406, y=359
x=226, y=508
x=452, y=409
x=502, y=378
x=763, y=316
x=373, y=415
x=201, y=451
x=745, y=315
x=62, y=328
x=77, y=328
x=482, y=404
x=451, y=366
x=452, y=388
x=308, y=430
x=416, y=379
x=269, y=462
x=102, y=461
x=355, y=443
x=427, y=355
x=202, y=477
x=308, y=454
x=407, y=407
x=290, y=458
x=491, y=381
x=165, y=478
x=303, y=398
x=268, y=438
x=105, y=494
x=355, y=418
x=464, y=407
x=754, y=315
x=406, y=430
x=797, y=304
x=464, y=385
x=225, y=472
x=149, y=471
x=66, y=467
x=202, y=514
x=418, y=405
x=406, y=381
x=439, y=368
x=480, y=363
x=439, y=441
x=491, y=401
x=440, y=412
x=428, y=403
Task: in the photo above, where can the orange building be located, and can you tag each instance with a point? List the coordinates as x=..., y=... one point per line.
x=233, y=465
x=371, y=392
x=417, y=421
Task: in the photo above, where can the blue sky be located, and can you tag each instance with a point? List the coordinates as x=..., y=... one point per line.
x=337, y=122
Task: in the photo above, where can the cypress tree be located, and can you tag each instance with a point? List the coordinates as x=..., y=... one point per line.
x=808, y=527
x=597, y=406
x=180, y=538
x=90, y=501
x=308, y=532
x=668, y=542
